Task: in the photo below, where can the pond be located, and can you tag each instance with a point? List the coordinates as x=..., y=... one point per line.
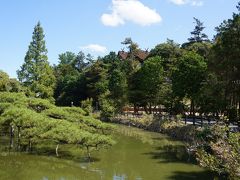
x=137, y=155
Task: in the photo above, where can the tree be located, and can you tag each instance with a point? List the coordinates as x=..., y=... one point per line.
x=146, y=84
x=118, y=88
x=9, y=84
x=188, y=77
x=70, y=86
x=202, y=48
x=224, y=61
x=36, y=120
x=4, y=81
x=96, y=80
x=132, y=46
x=36, y=73
x=168, y=50
x=67, y=58
x=79, y=61
x=211, y=96
x=197, y=34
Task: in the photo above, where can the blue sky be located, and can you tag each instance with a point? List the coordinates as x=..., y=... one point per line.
x=99, y=26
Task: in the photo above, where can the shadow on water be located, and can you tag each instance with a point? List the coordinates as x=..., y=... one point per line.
x=178, y=154
x=171, y=153
x=77, y=155
x=203, y=175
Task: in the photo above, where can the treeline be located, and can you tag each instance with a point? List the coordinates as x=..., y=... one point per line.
x=201, y=72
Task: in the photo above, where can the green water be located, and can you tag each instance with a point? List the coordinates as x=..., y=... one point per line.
x=137, y=155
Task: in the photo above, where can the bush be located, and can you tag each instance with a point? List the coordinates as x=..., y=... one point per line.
x=86, y=105
x=107, y=109
x=220, y=152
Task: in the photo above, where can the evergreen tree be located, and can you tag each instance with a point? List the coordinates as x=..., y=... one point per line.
x=79, y=61
x=197, y=35
x=224, y=63
x=36, y=73
x=132, y=46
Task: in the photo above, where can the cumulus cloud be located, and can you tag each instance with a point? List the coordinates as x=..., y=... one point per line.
x=94, y=48
x=130, y=10
x=190, y=2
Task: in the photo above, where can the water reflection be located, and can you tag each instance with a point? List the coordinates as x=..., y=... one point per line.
x=124, y=177
x=120, y=177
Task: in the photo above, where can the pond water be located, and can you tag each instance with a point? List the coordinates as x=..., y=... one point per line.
x=137, y=155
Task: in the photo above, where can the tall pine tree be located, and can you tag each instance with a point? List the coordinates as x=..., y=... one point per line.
x=197, y=34
x=36, y=73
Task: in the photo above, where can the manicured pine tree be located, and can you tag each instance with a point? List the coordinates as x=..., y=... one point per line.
x=36, y=73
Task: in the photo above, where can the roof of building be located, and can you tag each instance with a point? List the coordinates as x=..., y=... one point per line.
x=140, y=54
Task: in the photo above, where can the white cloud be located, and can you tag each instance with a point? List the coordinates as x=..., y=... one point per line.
x=190, y=2
x=197, y=3
x=130, y=10
x=178, y=2
x=94, y=48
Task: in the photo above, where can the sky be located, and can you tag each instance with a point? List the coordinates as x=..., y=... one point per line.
x=99, y=26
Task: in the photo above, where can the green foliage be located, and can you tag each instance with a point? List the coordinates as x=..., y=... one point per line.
x=96, y=80
x=169, y=52
x=224, y=62
x=201, y=48
x=4, y=81
x=220, y=152
x=132, y=46
x=36, y=73
x=71, y=79
x=37, y=120
x=86, y=105
x=39, y=105
x=107, y=106
x=118, y=88
x=211, y=95
x=7, y=84
x=189, y=74
x=146, y=83
x=74, y=110
x=197, y=35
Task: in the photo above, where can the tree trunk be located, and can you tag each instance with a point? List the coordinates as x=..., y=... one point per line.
x=193, y=112
x=57, y=150
x=185, y=118
x=18, y=138
x=11, y=137
x=238, y=117
x=145, y=109
x=88, y=153
x=135, y=109
x=150, y=108
x=30, y=145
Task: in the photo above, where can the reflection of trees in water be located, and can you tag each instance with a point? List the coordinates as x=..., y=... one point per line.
x=147, y=137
